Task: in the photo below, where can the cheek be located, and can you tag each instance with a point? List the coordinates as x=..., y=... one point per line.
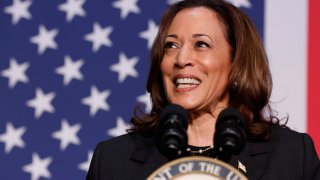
x=218, y=73
x=165, y=67
x=162, y=66
x=165, y=72
x=217, y=64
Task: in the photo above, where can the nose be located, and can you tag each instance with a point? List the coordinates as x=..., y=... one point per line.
x=184, y=58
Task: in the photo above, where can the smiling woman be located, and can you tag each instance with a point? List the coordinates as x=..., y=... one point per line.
x=195, y=69
x=206, y=57
x=216, y=44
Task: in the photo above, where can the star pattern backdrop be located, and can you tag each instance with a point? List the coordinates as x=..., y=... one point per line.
x=71, y=74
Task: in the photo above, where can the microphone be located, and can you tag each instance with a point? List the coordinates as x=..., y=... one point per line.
x=172, y=138
x=229, y=138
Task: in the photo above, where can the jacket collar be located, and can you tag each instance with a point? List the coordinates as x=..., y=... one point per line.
x=146, y=150
x=255, y=159
x=148, y=156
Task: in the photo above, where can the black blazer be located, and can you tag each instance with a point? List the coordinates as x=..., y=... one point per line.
x=287, y=155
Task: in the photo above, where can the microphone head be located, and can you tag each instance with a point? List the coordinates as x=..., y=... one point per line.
x=172, y=138
x=229, y=137
x=230, y=114
x=174, y=109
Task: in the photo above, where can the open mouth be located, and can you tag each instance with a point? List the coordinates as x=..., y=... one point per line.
x=186, y=82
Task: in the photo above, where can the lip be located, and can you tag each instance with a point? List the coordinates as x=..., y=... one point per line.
x=185, y=89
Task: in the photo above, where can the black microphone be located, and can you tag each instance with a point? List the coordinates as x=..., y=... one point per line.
x=229, y=137
x=172, y=138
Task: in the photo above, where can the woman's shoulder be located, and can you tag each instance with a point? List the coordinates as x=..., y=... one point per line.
x=123, y=142
x=127, y=139
x=116, y=148
x=283, y=140
x=288, y=136
x=289, y=141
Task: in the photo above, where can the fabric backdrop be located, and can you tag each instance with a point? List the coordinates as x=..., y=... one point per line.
x=72, y=71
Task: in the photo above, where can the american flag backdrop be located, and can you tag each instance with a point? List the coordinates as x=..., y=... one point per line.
x=72, y=71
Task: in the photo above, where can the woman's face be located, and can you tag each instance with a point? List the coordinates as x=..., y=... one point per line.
x=196, y=62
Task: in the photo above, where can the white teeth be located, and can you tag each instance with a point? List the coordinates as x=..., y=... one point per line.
x=185, y=85
x=188, y=81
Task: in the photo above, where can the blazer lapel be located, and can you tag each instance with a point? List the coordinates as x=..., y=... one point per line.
x=147, y=154
x=253, y=160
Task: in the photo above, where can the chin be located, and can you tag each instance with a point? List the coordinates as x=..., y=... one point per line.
x=185, y=105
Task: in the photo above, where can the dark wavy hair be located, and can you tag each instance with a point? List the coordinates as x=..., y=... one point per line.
x=249, y=84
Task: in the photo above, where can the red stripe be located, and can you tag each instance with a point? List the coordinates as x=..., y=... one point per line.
x=314, y=72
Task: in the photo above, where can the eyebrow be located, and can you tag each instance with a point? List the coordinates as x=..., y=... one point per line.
x=200, y=35
x=194, y=36
x=172, y=35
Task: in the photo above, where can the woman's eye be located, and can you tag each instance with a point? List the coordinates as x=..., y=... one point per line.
x=170, y=45
x=202, y=44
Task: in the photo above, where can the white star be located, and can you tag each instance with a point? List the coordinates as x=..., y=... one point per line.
x=126, y=6
x=38, y=168
x=18, y=10
x=84, y=166
x=150, y=33
x=240, y=3
x=173, y=1
x=67, y=134
x=12, y=137
x=70, y=70
x=125, y=67
x=146, y=100
x=97, y=100
x=119, y=129
x=72, y=8
x=41, y=103
x=45, y=39
x=16, y=72
x=99, y=36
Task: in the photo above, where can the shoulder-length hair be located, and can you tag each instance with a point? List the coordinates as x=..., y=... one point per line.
x=249, y=84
